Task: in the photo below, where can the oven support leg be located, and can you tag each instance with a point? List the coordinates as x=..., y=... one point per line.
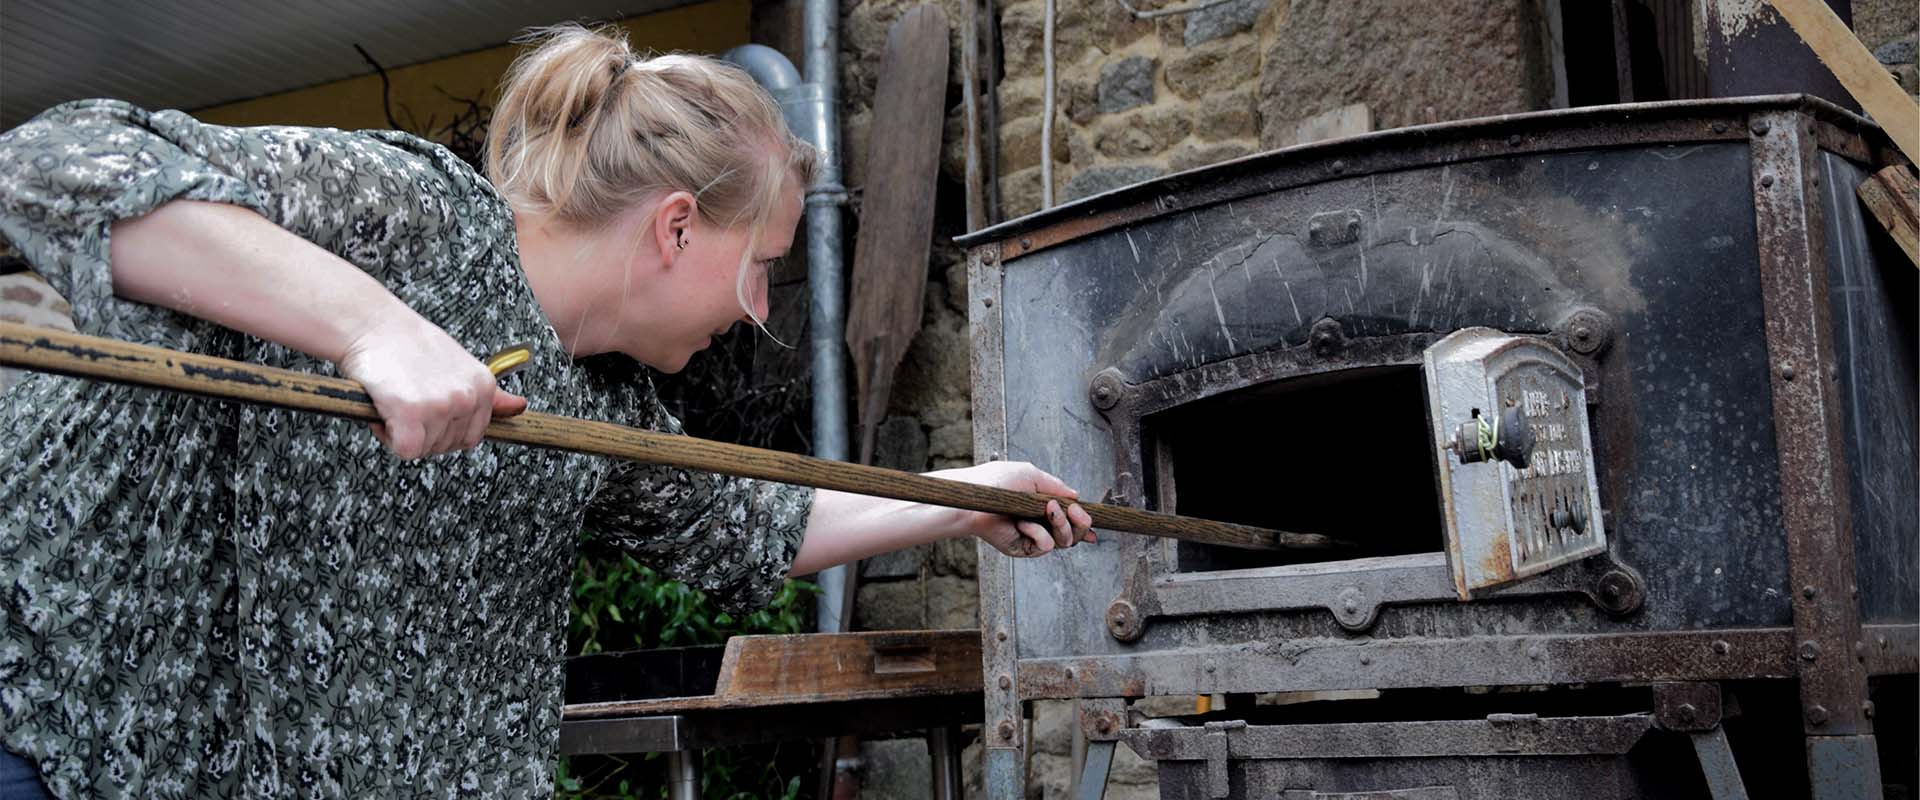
x=1093, y=778
x=1716, y=763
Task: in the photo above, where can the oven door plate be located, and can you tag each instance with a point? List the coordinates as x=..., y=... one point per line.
x=1503, y=522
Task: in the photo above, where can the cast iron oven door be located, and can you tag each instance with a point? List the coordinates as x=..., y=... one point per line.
x=1475, y=449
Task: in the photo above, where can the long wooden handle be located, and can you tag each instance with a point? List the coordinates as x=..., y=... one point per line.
x=84, y=356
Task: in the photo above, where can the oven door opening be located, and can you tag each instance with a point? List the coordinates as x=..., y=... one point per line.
x=1345, y=454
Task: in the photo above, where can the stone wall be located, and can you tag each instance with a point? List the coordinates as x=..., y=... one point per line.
x=1891, y=29
x=1140, y=98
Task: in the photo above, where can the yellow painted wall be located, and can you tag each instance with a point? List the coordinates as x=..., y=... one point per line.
x=354, y=103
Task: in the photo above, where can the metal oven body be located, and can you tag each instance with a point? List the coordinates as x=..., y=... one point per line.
x=1684, y=305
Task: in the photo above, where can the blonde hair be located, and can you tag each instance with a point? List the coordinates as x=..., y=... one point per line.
x=586, y=130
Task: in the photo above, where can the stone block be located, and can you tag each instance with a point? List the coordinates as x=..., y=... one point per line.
x=1350, y=120
x=1020, y=96
x=1126, y=83
x=905, y=563
x=1077, y=96
x=1020, y=143
x=1234, y=16
x=1227, y=115
x=1053, y=726
x=951, y=441
x=1488, y=58
x=1129, y=769
x=1133, y=791
x=953, y=145
x=890, y=606
x=900, y=443
x=1089, y=182
x=1142, y=133
x=959, y=557
x=1193, y=155
x=1020, y=192
x=1908, y=77
x=1112, y=28
x=1158, y=706
x=956, y=286
x=895, y=769
x=1877, y=21
x=1211, y=67
x=1898, y=51
x=936, y=375
x=857, y=127
x=953, y=603
x=1080, y=146
x=1022, y=35
x=1051, y=776
x=973, y=766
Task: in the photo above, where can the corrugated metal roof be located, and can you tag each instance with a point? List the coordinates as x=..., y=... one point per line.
x=197, y=53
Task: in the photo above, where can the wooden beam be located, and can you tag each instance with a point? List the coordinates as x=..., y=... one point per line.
x=1893, y=195
x=1858, y=71
x=799, y=669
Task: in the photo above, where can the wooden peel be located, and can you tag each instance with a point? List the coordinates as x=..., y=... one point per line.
x=889, y=278
x=48, y=350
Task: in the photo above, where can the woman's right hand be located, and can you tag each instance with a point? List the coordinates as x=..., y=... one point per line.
x=229, y=265
x=433, y=396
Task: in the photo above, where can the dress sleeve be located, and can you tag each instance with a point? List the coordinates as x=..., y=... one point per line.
x=733, y=538
x=385, y=201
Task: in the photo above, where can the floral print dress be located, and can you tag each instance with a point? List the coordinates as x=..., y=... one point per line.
x=201, y=598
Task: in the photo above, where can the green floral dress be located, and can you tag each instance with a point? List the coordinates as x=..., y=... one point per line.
x=211, y=599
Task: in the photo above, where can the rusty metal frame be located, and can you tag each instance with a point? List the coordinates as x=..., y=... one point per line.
x=1830, y=652
x=1330, y=664
x=1003, y=732
x=1671, y=122
x=1806, y=419
x=1508, y=735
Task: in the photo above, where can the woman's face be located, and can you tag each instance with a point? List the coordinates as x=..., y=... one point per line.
x=702, y=280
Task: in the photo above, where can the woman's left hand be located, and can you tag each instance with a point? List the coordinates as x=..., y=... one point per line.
x=1020, y=537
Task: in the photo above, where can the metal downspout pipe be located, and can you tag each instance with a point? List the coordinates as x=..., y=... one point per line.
x=811, y=109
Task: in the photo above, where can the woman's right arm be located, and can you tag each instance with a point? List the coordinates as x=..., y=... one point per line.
x=231, y=266
x=133, y=215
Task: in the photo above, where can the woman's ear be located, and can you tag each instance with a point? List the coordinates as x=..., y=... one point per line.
x=673, y=226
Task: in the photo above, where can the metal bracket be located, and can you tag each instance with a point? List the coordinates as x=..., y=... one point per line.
x=1102, y=719
x=1219, y=751
x=1687, y=707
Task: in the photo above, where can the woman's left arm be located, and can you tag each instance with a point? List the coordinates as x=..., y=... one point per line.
x=844, y=527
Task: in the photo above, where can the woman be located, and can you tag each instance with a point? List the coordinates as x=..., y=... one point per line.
x=212, y=599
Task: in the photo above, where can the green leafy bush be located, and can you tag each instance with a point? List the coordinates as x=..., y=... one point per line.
x=618, y=604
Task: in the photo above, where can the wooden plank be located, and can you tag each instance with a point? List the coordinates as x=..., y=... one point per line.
x=818, y=668
x=1347, y=120
x=1858, y=71
x=896, y=216
x=1893, y=195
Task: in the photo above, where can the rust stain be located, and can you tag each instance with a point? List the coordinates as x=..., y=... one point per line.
x=1499, y=560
